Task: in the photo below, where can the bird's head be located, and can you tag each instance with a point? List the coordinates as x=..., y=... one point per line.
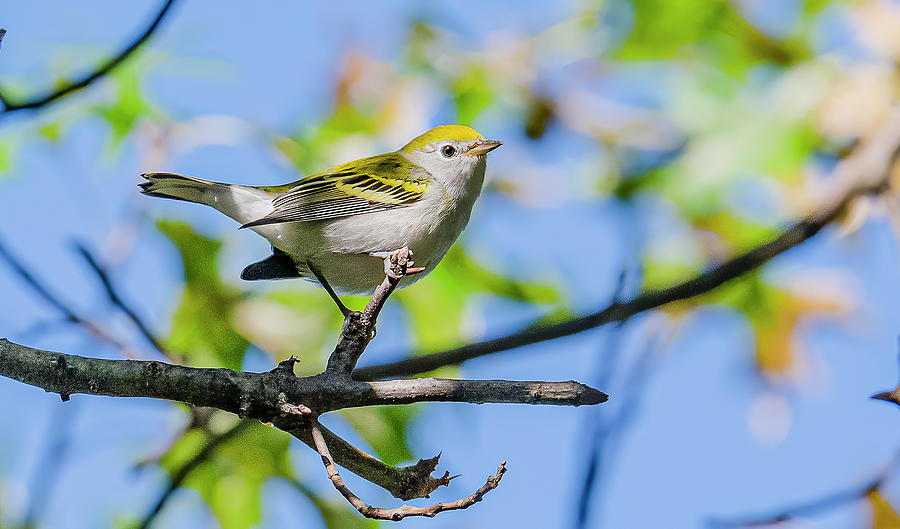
x=451, y=153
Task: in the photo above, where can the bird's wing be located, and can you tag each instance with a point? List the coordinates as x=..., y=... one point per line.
x=350, y=189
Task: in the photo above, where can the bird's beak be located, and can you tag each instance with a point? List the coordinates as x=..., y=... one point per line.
x=483, y=147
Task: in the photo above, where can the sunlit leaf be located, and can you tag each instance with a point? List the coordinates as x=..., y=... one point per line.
x=231, y=478
x=126, y=109
x=436, y=304
x=50, y=131
x=472, y=93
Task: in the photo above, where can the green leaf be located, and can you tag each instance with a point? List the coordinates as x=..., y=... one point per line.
x=201, y=327
x=231, y=479
x=337, y=514
x=384, y=429
x=437, y=303
x=6, y=156
x=50, y=131
x=472, y=93
x=126, y=109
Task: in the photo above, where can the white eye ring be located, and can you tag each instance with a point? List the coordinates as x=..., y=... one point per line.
x=448, y=151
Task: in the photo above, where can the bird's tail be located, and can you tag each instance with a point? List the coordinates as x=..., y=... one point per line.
x=242, y=203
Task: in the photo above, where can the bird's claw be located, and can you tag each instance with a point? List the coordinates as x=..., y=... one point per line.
x=399, y=263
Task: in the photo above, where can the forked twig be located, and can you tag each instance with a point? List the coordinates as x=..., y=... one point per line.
x=398, y=513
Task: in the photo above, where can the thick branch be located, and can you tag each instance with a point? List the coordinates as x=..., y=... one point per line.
x=263, y=395
x=102, y=70
x=865, y=172
x=398, y=513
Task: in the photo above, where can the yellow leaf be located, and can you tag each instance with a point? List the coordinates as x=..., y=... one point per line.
x=883, y=514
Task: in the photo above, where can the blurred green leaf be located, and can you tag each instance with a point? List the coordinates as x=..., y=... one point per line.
x=6, y=156
x=664, y=29
x=291, y=321
x=436, y=304
x=50, y=131
x=126, y=109
x=337, y=514
x=472, y=93
x=230, y=480
x=201, y=327
x=384, y=428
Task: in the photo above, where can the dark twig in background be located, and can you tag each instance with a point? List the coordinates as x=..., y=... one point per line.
x=869, y=170
x=46, y=474
x=70, y=314
x=178, y=478
x=815, y=506
x=105, y=68
x=119, y=303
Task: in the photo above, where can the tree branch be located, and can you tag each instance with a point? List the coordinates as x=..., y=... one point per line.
x=398, y=513
x=70, y=314
x=119, y=303
x=102, y=70
x=865, y=171
x=825, y=503
x=406, y=483
x=263, y=395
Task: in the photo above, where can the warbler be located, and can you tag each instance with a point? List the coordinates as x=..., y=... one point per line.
x=335, y=228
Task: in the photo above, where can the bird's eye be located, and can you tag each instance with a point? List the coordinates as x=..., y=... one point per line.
x=448, y=151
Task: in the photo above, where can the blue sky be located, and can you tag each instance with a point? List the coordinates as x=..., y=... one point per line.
x=689, y=454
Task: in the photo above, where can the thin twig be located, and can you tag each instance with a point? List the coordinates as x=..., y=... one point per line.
x=49, y=468
x=72, y=316
x=397, y=513
x=829, y=501
x=117, y=301
x=185, y=470
x=359, y=327
x=102, y=70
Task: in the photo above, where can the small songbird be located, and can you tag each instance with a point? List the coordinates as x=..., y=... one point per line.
x=336, y=227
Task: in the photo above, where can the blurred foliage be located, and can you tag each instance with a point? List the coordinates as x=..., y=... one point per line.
x=695, y=107
x=231, y=478
x=201, y=328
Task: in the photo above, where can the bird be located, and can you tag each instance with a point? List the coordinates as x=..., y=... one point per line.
x=335, y=228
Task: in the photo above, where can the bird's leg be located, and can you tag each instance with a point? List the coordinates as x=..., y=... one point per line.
x=321, y=279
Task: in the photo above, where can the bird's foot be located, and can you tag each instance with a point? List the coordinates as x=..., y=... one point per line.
x=399, y=263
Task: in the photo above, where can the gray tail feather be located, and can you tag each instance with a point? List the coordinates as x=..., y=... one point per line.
x=179, y=187
x=242, y=203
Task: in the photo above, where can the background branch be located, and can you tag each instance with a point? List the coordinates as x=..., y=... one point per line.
x=71, y=315
x=102, y=70
x=827, y=502
x=865, y=171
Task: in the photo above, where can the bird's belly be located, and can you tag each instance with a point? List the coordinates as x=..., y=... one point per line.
x=341, y=249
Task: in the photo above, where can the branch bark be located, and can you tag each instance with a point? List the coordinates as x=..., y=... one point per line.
x=102, y=70
x=263, y=395
x=397, y=513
